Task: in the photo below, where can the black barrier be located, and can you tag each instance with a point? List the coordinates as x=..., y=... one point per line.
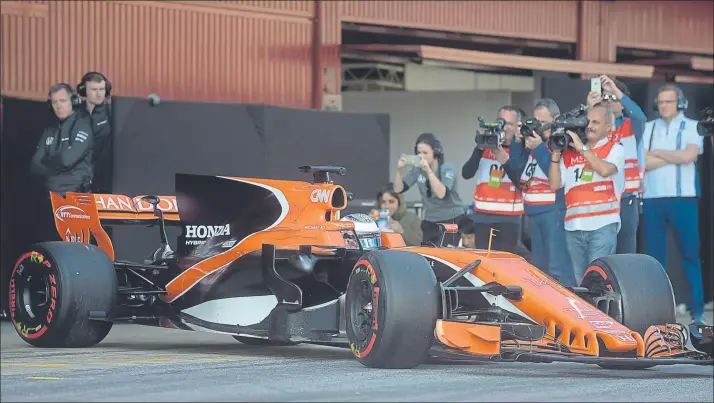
x=569, y=93
x=152, y=143
x=22, y=124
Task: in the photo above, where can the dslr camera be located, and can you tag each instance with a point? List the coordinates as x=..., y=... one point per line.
x=575, y=121
x=705, y=126
x=531, y=125
x=492, y=135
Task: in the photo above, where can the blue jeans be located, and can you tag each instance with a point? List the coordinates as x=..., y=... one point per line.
x=630, y=217
x=682, y=214
x=547, y=241
x=586, y=246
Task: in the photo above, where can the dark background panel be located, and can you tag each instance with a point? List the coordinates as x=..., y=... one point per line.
x=358, y=142
x=22, y=124
x=568, y=93
x=153, y=143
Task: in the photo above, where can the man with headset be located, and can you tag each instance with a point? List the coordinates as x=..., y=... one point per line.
x=64, y=153
x=672, y=146
x=96, y=89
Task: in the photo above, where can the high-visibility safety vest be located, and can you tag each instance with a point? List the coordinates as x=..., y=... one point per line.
x=633, y=174
x=587, y=194
x=536, y=187
x=495, y=193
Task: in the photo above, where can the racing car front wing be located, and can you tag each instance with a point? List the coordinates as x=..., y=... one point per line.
x=518, y=342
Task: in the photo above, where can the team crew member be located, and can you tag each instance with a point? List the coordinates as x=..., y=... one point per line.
x=671, y=188
x=544, y=207
x=96, y=89
x=498, y=203
x=629, y=126
x=436, y=180
x=593, y=180
x=64, y=154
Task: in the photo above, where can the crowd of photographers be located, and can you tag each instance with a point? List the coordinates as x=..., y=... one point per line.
x=583, y=179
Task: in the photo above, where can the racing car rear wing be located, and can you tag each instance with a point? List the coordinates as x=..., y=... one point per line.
x=79, y=217
x=123, y=209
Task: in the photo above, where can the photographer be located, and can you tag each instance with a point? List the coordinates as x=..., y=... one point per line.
x=544, y=207
x=437, y=184
x=629, y=126
x=672, y=147
x=498, y=203
x=592, y=176
x=64, y=153
x=96, y=89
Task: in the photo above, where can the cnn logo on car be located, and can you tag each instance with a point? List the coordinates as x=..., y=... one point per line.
x=320, y=195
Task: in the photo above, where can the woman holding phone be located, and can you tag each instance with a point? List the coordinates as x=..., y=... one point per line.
x=436, y=180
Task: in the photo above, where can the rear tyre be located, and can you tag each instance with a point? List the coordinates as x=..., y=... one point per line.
x=645, y=290
x=53, y=289
x=391, y=308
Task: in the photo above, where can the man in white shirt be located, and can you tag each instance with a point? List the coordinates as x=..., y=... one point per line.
x=593, y=177
x=672, y=146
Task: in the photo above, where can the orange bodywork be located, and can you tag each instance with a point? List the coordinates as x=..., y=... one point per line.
x=313, y=219
x=577, y=324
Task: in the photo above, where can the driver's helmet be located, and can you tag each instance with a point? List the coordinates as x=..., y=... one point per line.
x=368, y=233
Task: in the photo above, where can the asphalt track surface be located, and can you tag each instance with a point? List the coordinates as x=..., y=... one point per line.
x=139, y=363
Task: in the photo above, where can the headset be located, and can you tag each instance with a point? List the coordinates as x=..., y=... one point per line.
x=430, y=138
x=82, y=86
x=682, y=101
x=74, y=99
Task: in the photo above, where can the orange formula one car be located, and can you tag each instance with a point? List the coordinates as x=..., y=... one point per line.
x=272, y=262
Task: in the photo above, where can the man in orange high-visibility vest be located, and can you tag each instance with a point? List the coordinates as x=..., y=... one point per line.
x=629, y=126
x=593, y=177
x=544, y=207
x=498, y=203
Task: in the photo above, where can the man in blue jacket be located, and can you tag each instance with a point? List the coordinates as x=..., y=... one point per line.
x=544, y=207
x=629, y=125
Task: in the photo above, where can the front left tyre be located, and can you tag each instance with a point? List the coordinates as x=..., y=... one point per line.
x=53, y=289
x=391, y=308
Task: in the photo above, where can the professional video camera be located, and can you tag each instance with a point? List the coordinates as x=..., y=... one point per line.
x=705, y=127
x=575, y=120
x=493, y=136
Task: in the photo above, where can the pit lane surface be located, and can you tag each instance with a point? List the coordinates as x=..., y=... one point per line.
x=139, y=363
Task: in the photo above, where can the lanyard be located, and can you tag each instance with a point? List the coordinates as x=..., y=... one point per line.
x=679, y=134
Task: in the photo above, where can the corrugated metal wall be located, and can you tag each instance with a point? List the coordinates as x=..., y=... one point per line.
x=545, y=20
x=195, y=50
x=682, y=26
x=260, y=50
x=596, y=32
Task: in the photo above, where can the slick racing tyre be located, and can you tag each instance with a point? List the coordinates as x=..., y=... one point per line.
x=53, y=289
x=391, y=308
x=641, y=283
